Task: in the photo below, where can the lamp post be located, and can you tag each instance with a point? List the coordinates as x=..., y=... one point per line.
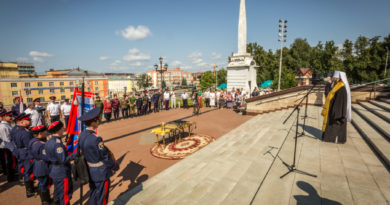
x=281, y=39
x=161, y=70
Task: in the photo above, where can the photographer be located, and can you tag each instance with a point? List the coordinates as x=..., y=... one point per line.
x=41, y=111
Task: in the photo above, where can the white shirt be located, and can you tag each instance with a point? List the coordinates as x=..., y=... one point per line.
x=212, y=95
x=207, y=94
x=34, y=115
x=66, y=109
x=5, y=133
x=54, y=109
x=173, y=95
x=218, y=94
x=184, y=96
x=166, y=96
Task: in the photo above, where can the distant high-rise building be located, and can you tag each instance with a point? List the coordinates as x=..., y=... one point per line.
x=26, y=68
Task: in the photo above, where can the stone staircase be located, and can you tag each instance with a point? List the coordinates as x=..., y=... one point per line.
x=244, y=166
x=228, y=171
x=372, y=120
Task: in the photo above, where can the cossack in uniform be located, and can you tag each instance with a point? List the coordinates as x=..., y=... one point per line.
x=36, y=148
x=60, y=168
x=100, y=162
x=21, y=136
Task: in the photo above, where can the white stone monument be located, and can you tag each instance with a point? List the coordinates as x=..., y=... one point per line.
x=241, y=70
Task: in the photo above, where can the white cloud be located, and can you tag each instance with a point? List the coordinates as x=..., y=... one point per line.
x=39, y=56
x=216, y=56
x=103, y=58
x=196, y=58
x=135, y=55
x=135, y=33
x=137, y=64
x=176, y=63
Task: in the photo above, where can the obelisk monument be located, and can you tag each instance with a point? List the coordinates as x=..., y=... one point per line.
x=241, y=70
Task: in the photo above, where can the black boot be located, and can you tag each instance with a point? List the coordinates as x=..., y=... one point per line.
x=55, y=202
x=29, y=189
x=45, y=197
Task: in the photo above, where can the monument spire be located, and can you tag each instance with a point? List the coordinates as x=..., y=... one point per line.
x=242, y=29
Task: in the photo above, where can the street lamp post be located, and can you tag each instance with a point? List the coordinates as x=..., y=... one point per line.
x=161, y=70
x=281, y=39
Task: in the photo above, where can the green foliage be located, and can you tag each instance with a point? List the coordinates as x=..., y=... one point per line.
x=184, y=81
x=221, y=76
x=362, y=60
x=207, y=80
x=144, y=81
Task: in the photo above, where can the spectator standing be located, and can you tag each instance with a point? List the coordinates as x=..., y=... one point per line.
x=132, y=100
x=138, y=103
x=328, y=85
x=207, y=97
x=16, y=107
x=149, y=101
x=155, y=99
x=99, y=104
x=184, y=97
x=212, y=99
x=255, y=92
x=53, y=110
x=145, y=101
x=161, y=100
x=166, y=99
x=107, y=109
x=41, y=111
x=229, y=100
x=34, y=115
x=217, y=97
x=173, y=99
x=124, y=106
x=115, y=106
x=65, y=111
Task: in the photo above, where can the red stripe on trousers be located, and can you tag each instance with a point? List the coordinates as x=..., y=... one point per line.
x=22, y=169
x=105, y=192
x=13, y=162
x=66, y=190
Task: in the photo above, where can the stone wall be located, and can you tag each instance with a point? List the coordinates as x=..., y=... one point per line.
x=288, y=99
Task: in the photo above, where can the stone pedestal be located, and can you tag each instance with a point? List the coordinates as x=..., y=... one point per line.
x=241, y=72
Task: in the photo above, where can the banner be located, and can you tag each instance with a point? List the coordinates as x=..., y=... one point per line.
x=74, y=125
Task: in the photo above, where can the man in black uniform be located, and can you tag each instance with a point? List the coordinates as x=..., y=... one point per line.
x=21, y=136
x=100, y=160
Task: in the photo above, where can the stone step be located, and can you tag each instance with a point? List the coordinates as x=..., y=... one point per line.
x=386, y=100
x=376, y=122
x=380, y=104
x=376, y=110
x=372, y=137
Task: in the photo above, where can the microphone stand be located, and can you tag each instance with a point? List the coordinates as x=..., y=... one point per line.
x=292, y=167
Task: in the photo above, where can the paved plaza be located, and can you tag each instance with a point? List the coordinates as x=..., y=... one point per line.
x=130, y=140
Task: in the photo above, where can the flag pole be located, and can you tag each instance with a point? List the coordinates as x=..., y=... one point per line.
x=82, y=129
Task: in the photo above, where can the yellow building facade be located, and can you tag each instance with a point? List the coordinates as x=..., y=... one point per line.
x=62, y=88
x=9, y=70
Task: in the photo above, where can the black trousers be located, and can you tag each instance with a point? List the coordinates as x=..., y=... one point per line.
x=185, y=103
x=155, y=106
x=54, y=118
x=207, y=101
x=125, y=112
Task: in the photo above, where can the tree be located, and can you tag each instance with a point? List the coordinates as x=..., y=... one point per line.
x=207, y=80
x=221, y=76
x=144, y=81
x=184, y=81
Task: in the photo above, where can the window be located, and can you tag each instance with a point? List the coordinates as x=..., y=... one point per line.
x=62, y=97
x=51, y=83
x=61, y=83
x=28, y=92
x=39, y=84
x=71, y=89
x=40, y=91
x=96, y=89
x=14, y=93
x=42, y=99
x=88, y=82
x=27, y=85
x=62, y=90
x=96, y=82
x=89, y=89
x=14, y=85
x=70, y=83
x=29, y=100
x=52, y=91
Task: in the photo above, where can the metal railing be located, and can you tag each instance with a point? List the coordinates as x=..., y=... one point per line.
x=374, y=85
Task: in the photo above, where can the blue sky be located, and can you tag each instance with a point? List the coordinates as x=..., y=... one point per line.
x=130, y=35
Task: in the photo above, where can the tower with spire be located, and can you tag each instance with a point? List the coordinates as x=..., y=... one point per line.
x=241, y=70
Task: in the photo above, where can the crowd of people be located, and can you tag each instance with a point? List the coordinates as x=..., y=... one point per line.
x=32, y=149
x=32, y=146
